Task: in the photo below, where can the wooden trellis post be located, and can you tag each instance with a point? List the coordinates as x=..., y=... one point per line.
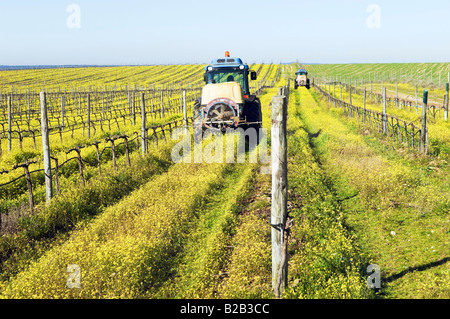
x=279, y=194
x=364, y=105
x=62, y=112
x=88, y=115
x=334, y=92
x=417, y=99
x=28, y=106
x=350, y=95
x=185, y=114
x=182, y=97
x=424, y=129
x=152, y=111
x=79, y=103
x=46, y=149
x=168, y=99
x=143, y=125
x=446, y=102
x=134, y=109
x=129, y=101
x=103, y=106
x=162, y=104
x=383, y=118
x=396, y=95
x=9, y=122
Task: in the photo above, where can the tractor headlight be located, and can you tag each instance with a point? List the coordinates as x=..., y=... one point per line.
x=241, y=67
x=210, y=68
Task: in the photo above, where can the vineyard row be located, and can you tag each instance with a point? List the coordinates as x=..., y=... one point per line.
x=399, y=103
x=93, y=109
x=413, y=136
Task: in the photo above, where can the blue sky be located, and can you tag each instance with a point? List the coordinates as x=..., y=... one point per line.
x=165, y=32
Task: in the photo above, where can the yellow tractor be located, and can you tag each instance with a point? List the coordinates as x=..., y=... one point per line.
x=301, y=79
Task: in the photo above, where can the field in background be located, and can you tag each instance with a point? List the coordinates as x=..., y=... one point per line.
x=430, y=76
x=424, y=73
x=404, y=83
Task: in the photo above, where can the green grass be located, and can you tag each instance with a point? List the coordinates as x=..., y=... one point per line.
x=325, y=261
x=400, y=213
x=250, y=269
x=199, y=268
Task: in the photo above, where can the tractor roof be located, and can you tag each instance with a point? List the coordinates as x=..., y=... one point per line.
x=301, y=71
x=228, y=62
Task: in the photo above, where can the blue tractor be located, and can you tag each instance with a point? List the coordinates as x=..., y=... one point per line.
x=301, y=79
x=226, y=101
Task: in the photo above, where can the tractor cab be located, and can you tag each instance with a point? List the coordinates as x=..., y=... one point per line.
x=229, y=70
x=301, y=72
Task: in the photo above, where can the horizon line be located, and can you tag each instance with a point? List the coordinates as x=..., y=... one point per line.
x=55, y=66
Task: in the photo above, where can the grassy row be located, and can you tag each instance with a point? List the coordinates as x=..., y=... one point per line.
x=227, y=254
x=249, y=270
x=396, y=202
x=438, y=128
x=200, y=268
x=325, y=260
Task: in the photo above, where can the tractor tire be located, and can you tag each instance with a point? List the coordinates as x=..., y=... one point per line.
x=253, y=114
x=295, y=85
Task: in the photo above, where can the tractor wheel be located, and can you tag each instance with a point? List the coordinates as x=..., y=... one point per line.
x=253, y=114
x=295, y=85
